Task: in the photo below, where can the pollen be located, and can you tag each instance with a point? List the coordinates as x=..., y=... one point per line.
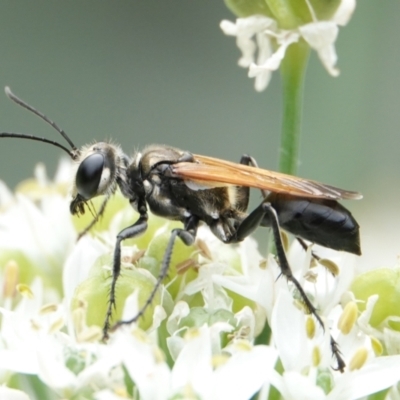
x=243, y=345
x=332, y=267
x=192, y=333
x=11, y=276
x=310, y=327
x=140, y=335
x=25, y=291
x=348, y=317
x=56, y=325
x=219, y=359
x=376, y=346
x=316, y=356
x=359, y=359
x=285, y=241
x=48, y=308
x=78, y=318
x=159, y=355
x=91, y=334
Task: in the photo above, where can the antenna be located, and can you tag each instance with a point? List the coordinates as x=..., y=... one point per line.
x=22, y=103
x=71, y=153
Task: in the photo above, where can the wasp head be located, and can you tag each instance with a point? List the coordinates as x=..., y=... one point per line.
x=99, y=168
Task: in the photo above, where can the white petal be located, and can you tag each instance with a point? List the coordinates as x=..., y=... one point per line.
x=228, y=27
x=104, y=371
x=244, y=373
x=377, y=375
x=108, y=394
x=300, y=387
x=6, y=195
x=245, y=29
x=391, y=340
x=289, y=333
x=248, y=26
x=344, y=12
x=150, y=374
x=321, y=36
x=131, y=306
x=158, y=316
x=40, y=174
x=175, y=345
x=181, y=310
x=248, y=49
x=12, y=394
x=21, y=361
x=264, y=47
x=363, y=319
x=193, y=365
x=52, y=369
x=79, y=262
x=274, y=61
x=64, y=171
x=328, y=57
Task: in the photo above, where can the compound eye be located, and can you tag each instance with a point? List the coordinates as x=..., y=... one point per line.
x=88, y=175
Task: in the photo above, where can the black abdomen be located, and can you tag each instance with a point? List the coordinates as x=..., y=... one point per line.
x=321, y=221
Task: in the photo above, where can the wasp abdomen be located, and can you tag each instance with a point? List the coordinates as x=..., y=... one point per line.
x=320, y=221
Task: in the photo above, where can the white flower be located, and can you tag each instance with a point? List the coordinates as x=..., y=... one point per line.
x=36, y=221
x=12, y=394
x=299, y=353
x=200, y=344
x=196, y=371
x=320, y=36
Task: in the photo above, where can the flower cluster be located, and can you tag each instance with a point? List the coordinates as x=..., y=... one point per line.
x=264, y=39
x=200, y=338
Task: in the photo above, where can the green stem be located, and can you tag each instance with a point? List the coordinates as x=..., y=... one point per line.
x=293, y=68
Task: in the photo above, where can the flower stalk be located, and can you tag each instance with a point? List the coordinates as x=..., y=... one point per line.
x=293, y=68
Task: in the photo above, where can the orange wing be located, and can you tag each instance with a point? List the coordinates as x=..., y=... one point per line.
x=208, y=172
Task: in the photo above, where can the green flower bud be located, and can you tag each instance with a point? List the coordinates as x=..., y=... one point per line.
x=289, y=13
x=325, y=381
x=245, y=8
x=28, y=270
x=384, y=282
x=293, y=13
x=198, y=316
x=181, y=254
x=323, y=9
x=94, y=293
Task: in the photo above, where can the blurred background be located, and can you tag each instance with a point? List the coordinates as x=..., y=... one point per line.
x=154, y=71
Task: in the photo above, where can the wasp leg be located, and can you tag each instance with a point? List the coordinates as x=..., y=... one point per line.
x=247, y=226
x=136, y=229
x=94, y=220
x=248, y=160
x=187, y=235
x=304, y=245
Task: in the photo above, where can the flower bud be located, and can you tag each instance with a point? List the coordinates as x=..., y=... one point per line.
x=289, y=13
x=384, y=282
x=94, y=292
x=154, y=256
x=245, y=8
x=293, y=13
